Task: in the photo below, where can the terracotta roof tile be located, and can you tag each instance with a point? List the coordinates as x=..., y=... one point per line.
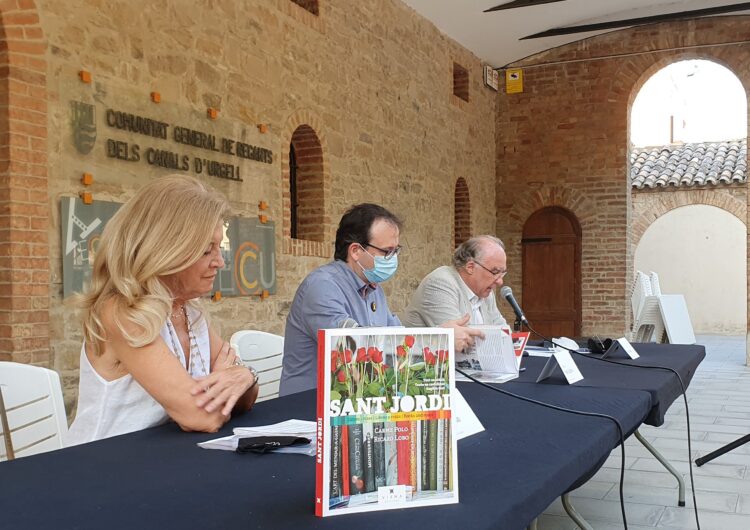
x=697, y=164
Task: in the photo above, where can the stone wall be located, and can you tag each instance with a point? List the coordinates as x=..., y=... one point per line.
x=373, y=80
x=564, y=142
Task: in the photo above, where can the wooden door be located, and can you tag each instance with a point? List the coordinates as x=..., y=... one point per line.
x=551, y=249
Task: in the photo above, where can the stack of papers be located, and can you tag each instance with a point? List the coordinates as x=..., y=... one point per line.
x=539, y=351
x=297, y=428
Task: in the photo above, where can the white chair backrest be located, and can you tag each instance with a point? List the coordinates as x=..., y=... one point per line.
x=655, y=286
x=649, y=326
x=264, y=351
x=641, y=289
x=34, y=407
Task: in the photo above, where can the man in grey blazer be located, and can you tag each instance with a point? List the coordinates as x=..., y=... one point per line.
x=464, y=289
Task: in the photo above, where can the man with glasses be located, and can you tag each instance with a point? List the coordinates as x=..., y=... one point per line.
x=464, y=290
x=344, y=293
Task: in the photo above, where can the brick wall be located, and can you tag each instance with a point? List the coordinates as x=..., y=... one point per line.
x=564, y=142
x=649, y=205
x=24, y=218
x=372, y=80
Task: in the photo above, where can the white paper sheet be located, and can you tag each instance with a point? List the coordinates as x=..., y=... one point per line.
x=298, y=428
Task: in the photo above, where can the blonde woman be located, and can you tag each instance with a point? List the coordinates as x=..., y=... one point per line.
x=148, y=353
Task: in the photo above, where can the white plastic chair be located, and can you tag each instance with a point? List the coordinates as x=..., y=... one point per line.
x=34, y=409
x=264, y=351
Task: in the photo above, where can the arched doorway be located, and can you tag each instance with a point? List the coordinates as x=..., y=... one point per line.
x=551, y=253
x=700, y=251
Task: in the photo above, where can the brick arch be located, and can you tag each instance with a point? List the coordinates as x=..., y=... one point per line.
x=305, y=130
x=24, y=244
x=671, y=201
x=572, y=200
x=525, y=203
x=309, y=184
x=660, y=62
x=461, y=212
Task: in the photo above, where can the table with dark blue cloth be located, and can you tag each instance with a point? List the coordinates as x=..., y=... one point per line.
x=663, y=385
x=527, y=456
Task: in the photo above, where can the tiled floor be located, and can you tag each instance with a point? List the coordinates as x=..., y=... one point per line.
x=719, y=401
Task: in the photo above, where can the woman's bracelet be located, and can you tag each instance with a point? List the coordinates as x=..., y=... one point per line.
x=238, y=362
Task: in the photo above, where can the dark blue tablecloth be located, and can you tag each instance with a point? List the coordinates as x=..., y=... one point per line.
x=663, y=385
x=159, y=478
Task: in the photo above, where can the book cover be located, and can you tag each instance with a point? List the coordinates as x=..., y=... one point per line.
x=520, y=338
x=384, y=398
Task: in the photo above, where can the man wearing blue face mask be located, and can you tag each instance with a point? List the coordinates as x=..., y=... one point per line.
x=344, y=293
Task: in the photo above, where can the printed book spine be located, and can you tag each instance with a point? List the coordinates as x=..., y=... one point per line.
x=356, y=460
x=336, y=482
x=440, y=455
x=418, y=441
x=322, y=404
x=413, y=442
x=369, y=457
x=378, y=442
x=425, y=443
x=345, y=460
x=391, y=454
x=447, y=452
x=433, y=454
x=402, y=446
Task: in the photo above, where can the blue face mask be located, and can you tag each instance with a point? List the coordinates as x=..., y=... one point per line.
x=382, y=270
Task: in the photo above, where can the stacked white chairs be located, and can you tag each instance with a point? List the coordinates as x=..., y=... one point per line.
x=658, y=317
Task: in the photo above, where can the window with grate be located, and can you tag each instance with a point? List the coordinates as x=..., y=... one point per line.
x=306, y=185
x=461, y=213
x=308, y=5
x=460, y=82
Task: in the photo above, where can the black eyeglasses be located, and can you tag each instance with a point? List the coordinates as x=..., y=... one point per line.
x=496, y=273
x=387, y=253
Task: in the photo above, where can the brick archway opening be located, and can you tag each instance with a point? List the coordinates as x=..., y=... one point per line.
x=306, y=185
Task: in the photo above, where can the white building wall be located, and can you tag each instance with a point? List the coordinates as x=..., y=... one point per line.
x=700, y=251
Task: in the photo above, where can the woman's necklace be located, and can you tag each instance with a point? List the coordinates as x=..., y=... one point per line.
x=194, y=350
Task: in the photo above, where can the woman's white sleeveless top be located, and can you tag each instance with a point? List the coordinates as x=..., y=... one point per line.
x=108, y=408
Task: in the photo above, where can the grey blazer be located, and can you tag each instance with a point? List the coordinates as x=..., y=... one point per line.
x=441, y=297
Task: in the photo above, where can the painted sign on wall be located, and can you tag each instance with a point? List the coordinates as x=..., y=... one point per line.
x=248, y=248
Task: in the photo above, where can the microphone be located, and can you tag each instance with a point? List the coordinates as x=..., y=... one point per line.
x=507, y=293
